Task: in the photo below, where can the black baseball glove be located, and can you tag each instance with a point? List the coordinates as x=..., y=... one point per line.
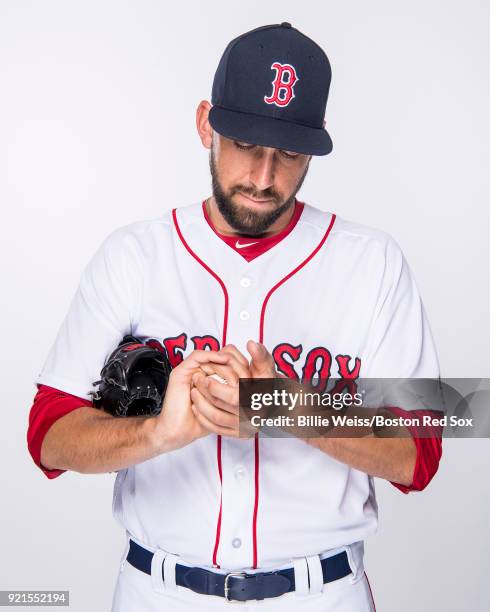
x=133, y=380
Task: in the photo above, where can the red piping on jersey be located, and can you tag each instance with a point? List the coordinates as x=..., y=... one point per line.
x=218, y=526
x=223, y=342
x=208, y=269
x=261, y=339
x=256, y=502
x=370, y=591
x=288, y=276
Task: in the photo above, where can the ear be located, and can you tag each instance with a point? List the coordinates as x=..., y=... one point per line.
x=204, y=128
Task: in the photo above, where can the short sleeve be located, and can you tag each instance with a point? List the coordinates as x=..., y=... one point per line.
x=101, y=312
x=400, y=342
x=401, y=345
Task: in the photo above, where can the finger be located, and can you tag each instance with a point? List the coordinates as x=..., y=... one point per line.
x=232, y=350
x=195, y=360
x=216, y=393
x=220, y=420
x=237, y=361
x=211, y=427
x=198, y=358
x=219, y=405
x=237, y=365
x=226, y=372
x=258, y=351
x=262, y=363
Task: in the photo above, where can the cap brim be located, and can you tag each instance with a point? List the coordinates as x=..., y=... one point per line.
x=269, y=132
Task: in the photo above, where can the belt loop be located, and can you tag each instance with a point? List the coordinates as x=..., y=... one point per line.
x=157, y=562
x=316, y=574
x=355, y=556
x=122, y=562
x=300, y=577
x=169, y=572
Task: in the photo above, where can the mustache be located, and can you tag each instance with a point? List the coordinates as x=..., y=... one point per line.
x=266, y=194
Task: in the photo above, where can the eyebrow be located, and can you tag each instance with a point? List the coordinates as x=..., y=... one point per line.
x=253, y=144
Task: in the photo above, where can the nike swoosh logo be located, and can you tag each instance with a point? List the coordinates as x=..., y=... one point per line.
x=246, y=244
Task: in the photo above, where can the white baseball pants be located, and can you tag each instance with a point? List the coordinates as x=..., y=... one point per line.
x=139, y=592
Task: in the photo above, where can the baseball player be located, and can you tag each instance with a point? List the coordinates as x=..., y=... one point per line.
x=251, y=282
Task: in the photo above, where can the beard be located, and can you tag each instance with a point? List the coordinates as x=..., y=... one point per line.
x=243, y=220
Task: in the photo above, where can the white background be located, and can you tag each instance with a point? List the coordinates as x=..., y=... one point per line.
x=97, y=129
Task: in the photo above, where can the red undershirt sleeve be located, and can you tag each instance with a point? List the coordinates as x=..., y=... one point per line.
x=49, y=405
x=429, y=449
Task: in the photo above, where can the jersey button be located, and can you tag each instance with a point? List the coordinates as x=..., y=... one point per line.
x=240, y=472
x=236, y=543
x=245, y=282
x=244, y=315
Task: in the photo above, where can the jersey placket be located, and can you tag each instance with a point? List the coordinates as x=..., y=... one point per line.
x=239, y=474
x=247, y=287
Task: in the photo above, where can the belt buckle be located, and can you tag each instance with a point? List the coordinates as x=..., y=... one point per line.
x=227, y=586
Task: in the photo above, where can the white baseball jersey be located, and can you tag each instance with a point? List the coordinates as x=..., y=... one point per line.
x=333, y=298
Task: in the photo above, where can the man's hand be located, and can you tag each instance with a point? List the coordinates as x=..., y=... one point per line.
x=177, y=424
x=216, y=404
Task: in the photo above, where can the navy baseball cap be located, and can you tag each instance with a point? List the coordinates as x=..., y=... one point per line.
x=271, y=88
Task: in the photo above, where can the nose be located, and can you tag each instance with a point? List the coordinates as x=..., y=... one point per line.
x=262, y=171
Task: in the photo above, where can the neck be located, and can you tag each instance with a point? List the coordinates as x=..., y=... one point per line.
x=223, y=227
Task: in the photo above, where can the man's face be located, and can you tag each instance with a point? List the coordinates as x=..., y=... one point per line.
x=254, y=185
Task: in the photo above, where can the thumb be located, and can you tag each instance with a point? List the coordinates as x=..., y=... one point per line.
x=262, y=363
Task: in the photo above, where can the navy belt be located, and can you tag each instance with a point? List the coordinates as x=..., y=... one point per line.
x=238, y=586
